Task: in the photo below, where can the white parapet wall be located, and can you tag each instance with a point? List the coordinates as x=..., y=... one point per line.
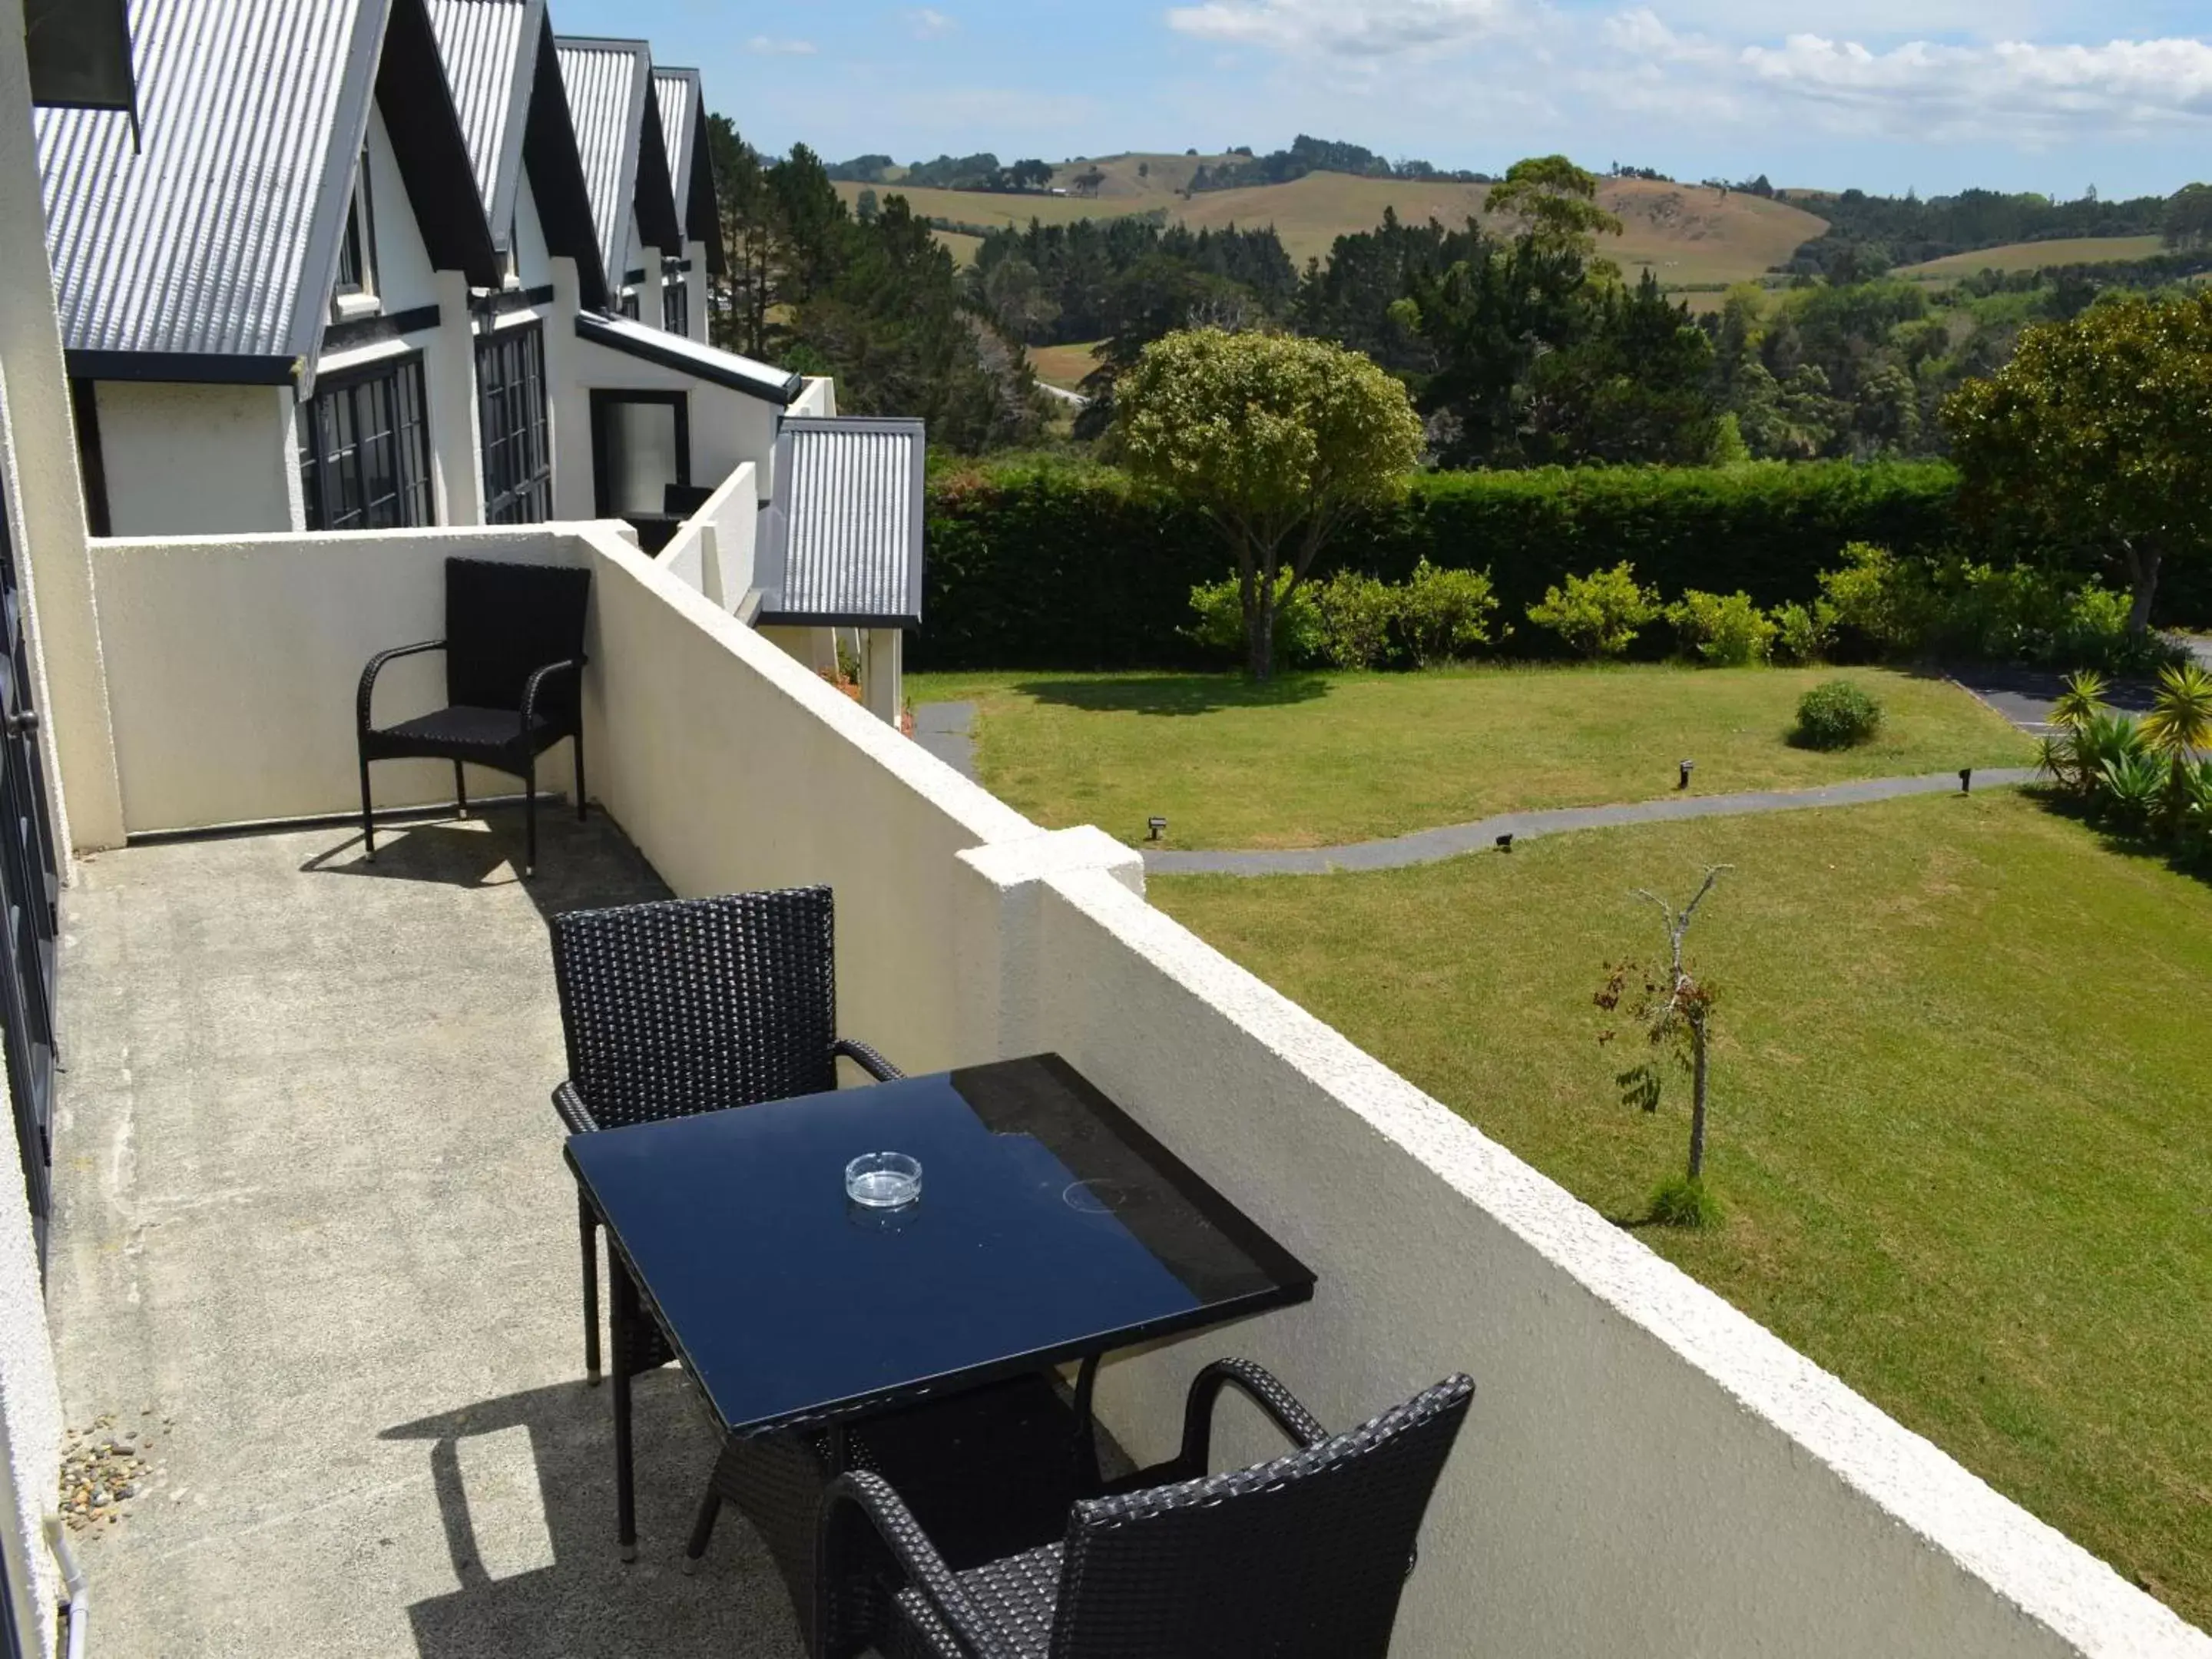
x=1644, y=1468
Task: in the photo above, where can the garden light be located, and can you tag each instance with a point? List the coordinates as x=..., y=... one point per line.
x=1965, y=780
x=1158, y=826
x=1505, y=843
x=1687, y=768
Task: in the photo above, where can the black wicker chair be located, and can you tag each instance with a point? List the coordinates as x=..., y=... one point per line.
x=514, y=663
x=1302, y=1557
x=693, y=1005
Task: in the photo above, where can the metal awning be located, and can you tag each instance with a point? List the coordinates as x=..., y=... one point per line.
x=840, y=542
x=688, y=356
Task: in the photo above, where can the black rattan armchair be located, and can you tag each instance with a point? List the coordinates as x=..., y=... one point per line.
x=1302, y=1557
x=514, y=664
x=694, y=1006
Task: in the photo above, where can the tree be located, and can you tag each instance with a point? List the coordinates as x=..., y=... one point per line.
x=1276, y=440
x=1674, y=1009
x=2094, y=435
x=2189, y=216
x=865, y=207
x=1556, y=202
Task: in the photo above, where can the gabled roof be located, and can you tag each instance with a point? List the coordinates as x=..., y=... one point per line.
x=691, y=158
x=504, y=70
x=616, y=117
x=842, y=541
x=694, y=358
x=207, y=252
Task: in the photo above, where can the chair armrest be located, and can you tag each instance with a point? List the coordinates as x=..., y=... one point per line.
x=574, y=1113
x=860, y=1497
x=1256, y=1384
x=866, y=1059
x=538, y=677
x=376, y=666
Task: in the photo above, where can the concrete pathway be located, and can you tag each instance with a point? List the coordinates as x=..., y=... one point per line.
x=1428, y=846
x=947, y=730
x=2025, y=695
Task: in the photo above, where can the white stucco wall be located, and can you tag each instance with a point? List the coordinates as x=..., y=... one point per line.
x=728, y=428
x=30, y=1412
x=695, y=284
x=404, y=274
x=195, y=461
x=1644, y=1469
x=237, y=660
x=713, y=553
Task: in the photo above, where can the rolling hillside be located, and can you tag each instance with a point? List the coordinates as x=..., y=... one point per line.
x=1686, y=233
x=2034, y=256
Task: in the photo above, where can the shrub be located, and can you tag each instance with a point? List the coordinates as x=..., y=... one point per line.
x=1444, y=615
x=1837, y=714
x=1803, y=634
x=1874, y=599
x=1220, y=625
x=1597, y=615
x=1679, y=1202
x=1727, y=630
x=1357, y=615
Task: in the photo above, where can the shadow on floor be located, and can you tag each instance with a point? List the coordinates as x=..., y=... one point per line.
x=1179, y=694
x=579, y=865
x=584, y=1603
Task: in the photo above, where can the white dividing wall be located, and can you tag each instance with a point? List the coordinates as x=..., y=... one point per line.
x=535, y=267
x=713, y=553
x=696, y=312
x=196, y=461
x=1644, y=1467
x=728, y=428
x=234, y=663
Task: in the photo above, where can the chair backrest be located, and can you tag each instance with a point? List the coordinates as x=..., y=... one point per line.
x=504, y=621
x=692, y=1005
x=1302, y=1557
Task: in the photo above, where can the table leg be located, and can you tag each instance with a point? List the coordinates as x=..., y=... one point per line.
x=625, y=1315
x=1087, y=1477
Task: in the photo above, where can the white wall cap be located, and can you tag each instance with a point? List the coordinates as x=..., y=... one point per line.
x=1058, y=852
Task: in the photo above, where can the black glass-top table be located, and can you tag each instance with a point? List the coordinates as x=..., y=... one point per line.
x=1050, y=1227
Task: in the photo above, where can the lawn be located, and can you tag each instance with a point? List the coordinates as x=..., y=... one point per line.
x=1064, y=366
x=1317, y=760
x=2037, y=256
x=1962, y=1108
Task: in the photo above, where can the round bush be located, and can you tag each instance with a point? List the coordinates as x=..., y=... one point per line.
x=1837, y=714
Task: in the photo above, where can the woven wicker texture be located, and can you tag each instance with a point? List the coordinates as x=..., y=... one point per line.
x=693, y=1005
x=1301, y=1557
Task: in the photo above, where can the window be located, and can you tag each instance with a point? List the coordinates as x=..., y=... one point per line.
x=675, y=306
x=518, y=458
x=365, y=450
x=357, y=247
x=641, y=444
x=629, y=304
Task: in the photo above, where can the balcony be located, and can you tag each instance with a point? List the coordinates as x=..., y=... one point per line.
x=314, y=1209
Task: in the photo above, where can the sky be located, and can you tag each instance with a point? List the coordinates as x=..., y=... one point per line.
x=1934, y=95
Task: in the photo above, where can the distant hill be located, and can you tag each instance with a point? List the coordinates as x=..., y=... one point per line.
x=1686, y=233
x=2038, y=256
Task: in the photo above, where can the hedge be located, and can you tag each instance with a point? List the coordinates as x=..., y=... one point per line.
x=1052, y=565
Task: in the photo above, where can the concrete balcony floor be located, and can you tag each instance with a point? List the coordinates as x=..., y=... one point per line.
x=313, y=1216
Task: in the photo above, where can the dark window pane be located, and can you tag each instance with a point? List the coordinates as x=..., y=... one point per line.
x=511, y=410
x=364, y=452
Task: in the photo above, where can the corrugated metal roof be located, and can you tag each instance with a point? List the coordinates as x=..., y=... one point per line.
x=482, y=44
x=844, y=533
x=678, y=92
x=606, y=81
x=220, y=234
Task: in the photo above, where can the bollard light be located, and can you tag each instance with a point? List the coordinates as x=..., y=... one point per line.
x=1965, y=780
x=1687, y=768
x=1505, y=843
x=1158, y=826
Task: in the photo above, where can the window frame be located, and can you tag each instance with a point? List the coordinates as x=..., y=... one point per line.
x=327, y=458
x=357, y=272
x=517, y=460
x=676, y=307
x=604, y=398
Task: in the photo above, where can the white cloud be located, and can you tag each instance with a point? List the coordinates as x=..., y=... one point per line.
x=927, y=23
x=762, y=45
x=1370, y=28
x=2029, y=94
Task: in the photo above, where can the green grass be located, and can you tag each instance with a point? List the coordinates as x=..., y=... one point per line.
x=1321, y=759
x=1962, y=1108
x=2036, y=256
x=1064, y=366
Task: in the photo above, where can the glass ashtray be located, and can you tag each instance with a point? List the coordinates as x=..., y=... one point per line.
x=883, y=1181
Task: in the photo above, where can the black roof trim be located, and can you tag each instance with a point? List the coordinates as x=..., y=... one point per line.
x=690, y=356
x=384, y=326
x=658, y=224
x=425, y=129
x=195, y=368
